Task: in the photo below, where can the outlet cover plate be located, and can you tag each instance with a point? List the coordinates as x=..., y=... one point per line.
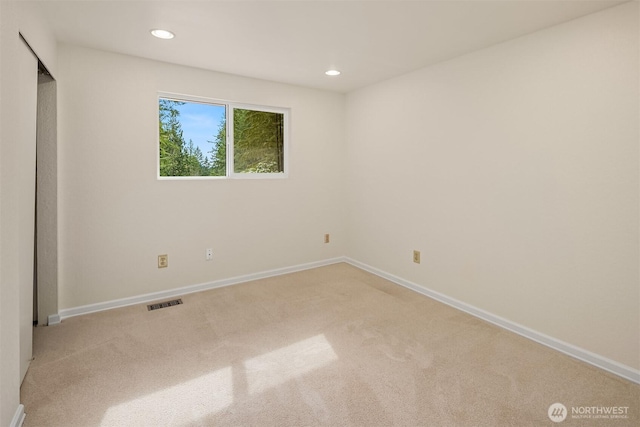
x=163, y=261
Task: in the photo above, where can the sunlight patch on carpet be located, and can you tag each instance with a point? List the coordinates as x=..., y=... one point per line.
x=279, y=366
x=195, y=398
x=211, y=393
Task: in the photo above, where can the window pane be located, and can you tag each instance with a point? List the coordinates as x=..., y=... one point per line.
x=258, y=145
x=192, y=138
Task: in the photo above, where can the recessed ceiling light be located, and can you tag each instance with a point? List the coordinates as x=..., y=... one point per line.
x=332, y=73
x=163, y=34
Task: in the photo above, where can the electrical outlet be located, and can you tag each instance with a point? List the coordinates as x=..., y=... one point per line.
x=326, y=238
x=209, y=254
x=416, y=257
x=163, y=261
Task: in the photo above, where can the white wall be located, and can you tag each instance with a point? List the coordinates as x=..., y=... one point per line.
x=514, y=170
x=9, y=325
x=15, y=18
x=116, y=217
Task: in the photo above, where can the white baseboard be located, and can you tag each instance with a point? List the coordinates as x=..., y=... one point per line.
x=18, y=417
x=601, y=362
x=171, y=293
x=53, y=319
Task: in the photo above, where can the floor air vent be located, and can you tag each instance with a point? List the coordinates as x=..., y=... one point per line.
x=164, y=304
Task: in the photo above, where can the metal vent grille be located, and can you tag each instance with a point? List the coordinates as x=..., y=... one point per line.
x=164, y=304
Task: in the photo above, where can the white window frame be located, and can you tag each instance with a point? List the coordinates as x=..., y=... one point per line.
x=229, y=107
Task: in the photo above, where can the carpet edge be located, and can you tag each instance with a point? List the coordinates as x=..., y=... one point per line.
x=576, y=352
x=176, y=292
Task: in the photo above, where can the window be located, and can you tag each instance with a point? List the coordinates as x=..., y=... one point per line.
x=206, y=138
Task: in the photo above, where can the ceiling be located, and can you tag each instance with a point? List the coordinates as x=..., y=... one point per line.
x=297, y=41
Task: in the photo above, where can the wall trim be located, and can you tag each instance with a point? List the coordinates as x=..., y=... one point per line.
x=18, y=417
x=596, y=360
x=586, y=356
x=170, y=293
x=53, y=319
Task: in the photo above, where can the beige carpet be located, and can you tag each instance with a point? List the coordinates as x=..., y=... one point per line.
x=330, y=346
